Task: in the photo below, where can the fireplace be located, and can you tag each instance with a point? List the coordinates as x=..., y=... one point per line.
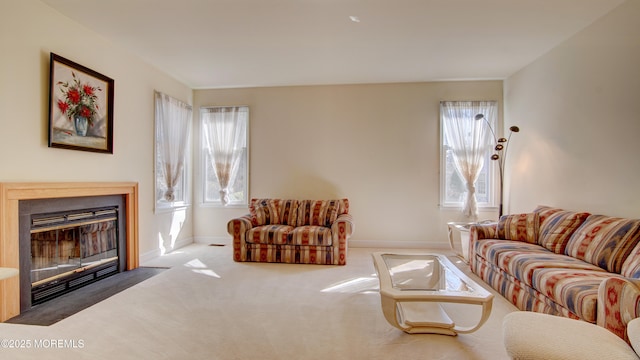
x=15, y=196
x=68, y=243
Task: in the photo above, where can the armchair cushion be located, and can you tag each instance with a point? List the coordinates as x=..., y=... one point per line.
x=311, y=235
x=289, y=212
x=318, y=212
x=633, y=330
x=264, y=211
x=530, y=335
x=269, y=234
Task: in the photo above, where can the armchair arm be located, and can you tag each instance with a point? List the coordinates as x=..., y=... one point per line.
x=238, y=228
x=341, y=230
x=344, y=222
x=618, y=304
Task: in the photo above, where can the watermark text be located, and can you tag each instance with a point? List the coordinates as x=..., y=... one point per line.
x=42, y=344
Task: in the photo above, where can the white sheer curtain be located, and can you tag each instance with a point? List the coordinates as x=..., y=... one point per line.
x=173, y=127
x=224, y=130
x=469, y=141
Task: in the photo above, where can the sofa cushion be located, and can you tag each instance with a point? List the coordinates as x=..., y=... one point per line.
x=557, y=226
x=264, y=211
x=490, y=249
x=576, y=290
x=318, y=212
x=546, y=211
x=519, y=227
x=523, y=264
x=311, y=235
x=269, y=234
x=288, y=212
x=605, y=241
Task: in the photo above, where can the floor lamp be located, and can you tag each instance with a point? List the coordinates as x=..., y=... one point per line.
x=501, y=147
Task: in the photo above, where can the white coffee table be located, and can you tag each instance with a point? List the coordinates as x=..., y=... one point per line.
x=413, y=287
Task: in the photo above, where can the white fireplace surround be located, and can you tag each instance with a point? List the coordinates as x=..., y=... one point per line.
x=10, y=196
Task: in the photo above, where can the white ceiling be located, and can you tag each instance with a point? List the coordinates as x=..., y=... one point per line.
x=244, y=43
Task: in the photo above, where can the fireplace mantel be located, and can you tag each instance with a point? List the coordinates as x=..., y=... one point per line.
x=10, y=196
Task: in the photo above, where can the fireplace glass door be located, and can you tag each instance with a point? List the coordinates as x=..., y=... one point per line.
x=63, y=245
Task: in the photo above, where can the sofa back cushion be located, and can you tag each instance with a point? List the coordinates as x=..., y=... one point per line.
x=519, y=227
x=264, y=211
x=289, y=212
x=605, y=241
x=557, y=226
x=319, y=212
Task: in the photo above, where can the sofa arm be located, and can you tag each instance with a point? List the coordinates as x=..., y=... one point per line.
x=478, y=232
x=341, y=230
x=618, y=304
x=238, y=228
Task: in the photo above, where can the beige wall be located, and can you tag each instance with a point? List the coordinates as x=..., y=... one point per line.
x=377, y=145
x=579, y=110
x=29, y=31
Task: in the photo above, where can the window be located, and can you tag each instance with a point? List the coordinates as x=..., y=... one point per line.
x=173, y=128
x=180, y=190
x=225, y=166
x=458, y=124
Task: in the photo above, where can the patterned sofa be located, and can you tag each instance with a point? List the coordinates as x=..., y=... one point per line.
x=293, y=231
x=566, y=263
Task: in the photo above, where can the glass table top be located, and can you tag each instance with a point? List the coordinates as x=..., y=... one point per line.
x=423, y=273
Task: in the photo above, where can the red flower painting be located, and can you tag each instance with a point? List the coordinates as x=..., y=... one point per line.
x=78, y=99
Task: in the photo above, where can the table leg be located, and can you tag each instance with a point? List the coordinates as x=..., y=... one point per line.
x=417, y=317
x=486, y=311
x=420, y=317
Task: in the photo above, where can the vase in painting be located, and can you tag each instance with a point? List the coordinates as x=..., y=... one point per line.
x=81, y=124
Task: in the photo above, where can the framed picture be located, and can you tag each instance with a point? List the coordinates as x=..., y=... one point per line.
x=80, y=107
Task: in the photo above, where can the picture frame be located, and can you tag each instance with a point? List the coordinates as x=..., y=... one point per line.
x=80, y=107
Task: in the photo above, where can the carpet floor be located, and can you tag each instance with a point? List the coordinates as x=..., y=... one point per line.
x=208, y=307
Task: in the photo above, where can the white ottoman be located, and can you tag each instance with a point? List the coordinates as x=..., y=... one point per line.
x=530, y=335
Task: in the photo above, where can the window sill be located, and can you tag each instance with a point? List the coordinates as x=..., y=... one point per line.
x=220, y=206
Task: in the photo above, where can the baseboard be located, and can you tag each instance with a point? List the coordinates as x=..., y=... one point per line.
x=223, y=240
x=226, y=240
x=386, y=244
x=149, y=255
